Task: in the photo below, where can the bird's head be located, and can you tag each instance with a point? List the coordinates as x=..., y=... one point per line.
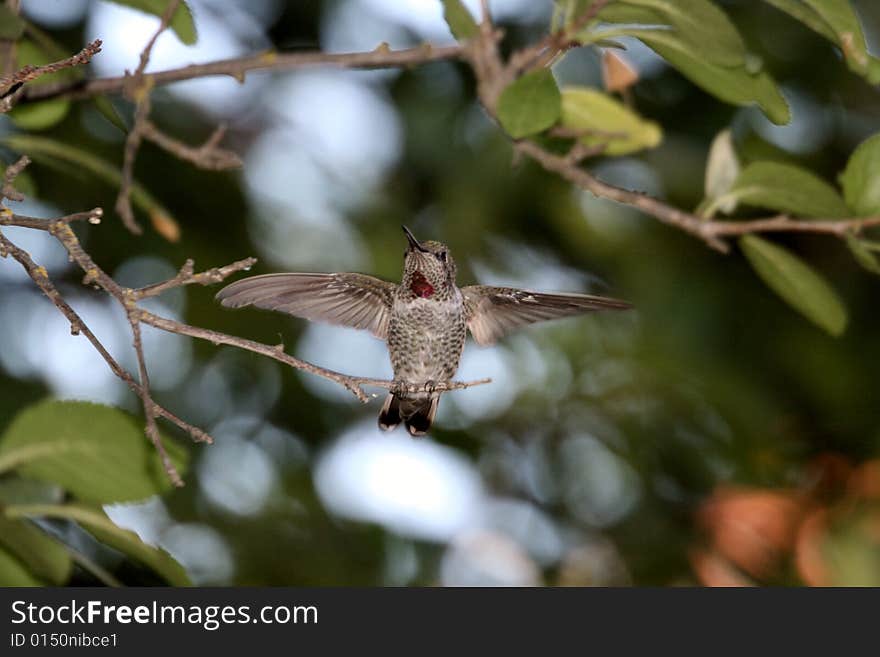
x=428, y=267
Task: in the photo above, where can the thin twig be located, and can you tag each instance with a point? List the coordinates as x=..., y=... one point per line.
x=546, y=50
x=12, y=83
x=12, y=171
x=207, y=156
x=186, y=276
x=151, y=430
x=711, y=232
x=132, y=144
x=138, y=89
x=239, y=67
x=77, y=326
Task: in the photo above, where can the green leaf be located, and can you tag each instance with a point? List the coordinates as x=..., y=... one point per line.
x=11, y=24
x=722, y=170
x=852, y=549
x=97, y=453
x=17, y=490
x=47, y=113
x=96, y=522
x=41, y=554
x=14, y=573
x=861, y=178
x=806, y=15
x=459, y=19
x=105, y=106
x=733, y=85
x=787, y=188
x=796, y=282
x=47, y=150
x=700, y=23
x=873, y=74
x=863, y=254
x=529, y=105
x=842, y=19
x=624, y=131
x=182, y=21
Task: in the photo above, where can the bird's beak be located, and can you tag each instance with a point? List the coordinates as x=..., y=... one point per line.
x=413, y=242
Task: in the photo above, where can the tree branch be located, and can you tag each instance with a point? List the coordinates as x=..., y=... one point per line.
x=239, y=67
x=128, y=298
x=207, y=156
x=138, y=89
x=11, y=86
x=493, y=75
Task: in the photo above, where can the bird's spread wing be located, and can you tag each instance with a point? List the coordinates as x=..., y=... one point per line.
x=354, y=300
x=494, y=311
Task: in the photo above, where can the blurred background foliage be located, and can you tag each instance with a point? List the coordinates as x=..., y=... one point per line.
x=711, y=436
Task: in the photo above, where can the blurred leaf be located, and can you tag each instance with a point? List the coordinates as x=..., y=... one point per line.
x=838, y=22
x=861, y=178
x=459, y=19
x=43, y=149
x=40, y=116
x=96, y=522
x=722, y=169
x=796, y=282
x=806, y=15
x=852, y=549
x=44, y=114
x=863, y=255
x=787, y=188
x=617, y=73
x=165, y=225
x=182, y=21
x=14, y=573
x=873, y=74
x=588, y=109
x=53, y=50
x=97, y=453
x=700, y=23
x=11, y=24
x=530, y=104
x=105, y=106
x=43, y=555
x=17, y=490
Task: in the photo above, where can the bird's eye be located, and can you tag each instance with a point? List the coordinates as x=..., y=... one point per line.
x=442, y=256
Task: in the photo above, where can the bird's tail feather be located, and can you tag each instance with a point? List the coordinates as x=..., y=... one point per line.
x=417, y=414
x=422, y=416
x=389, y=416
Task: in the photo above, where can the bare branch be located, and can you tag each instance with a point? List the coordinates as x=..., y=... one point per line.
x=10, y=84
x=239, y=67
x=711, y=232
x=186, y=276
x=546, y=50
x=77, y=326
x=12, y=171
x=151, y=429
x=138, y=89
x=128, y=298
x=667, y=214
x=132, y=144
x=164, y=22
x=207, y=156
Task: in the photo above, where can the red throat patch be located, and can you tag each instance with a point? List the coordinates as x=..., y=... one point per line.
x=420, y=286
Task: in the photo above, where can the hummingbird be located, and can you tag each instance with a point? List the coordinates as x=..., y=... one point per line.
x=424, y=319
